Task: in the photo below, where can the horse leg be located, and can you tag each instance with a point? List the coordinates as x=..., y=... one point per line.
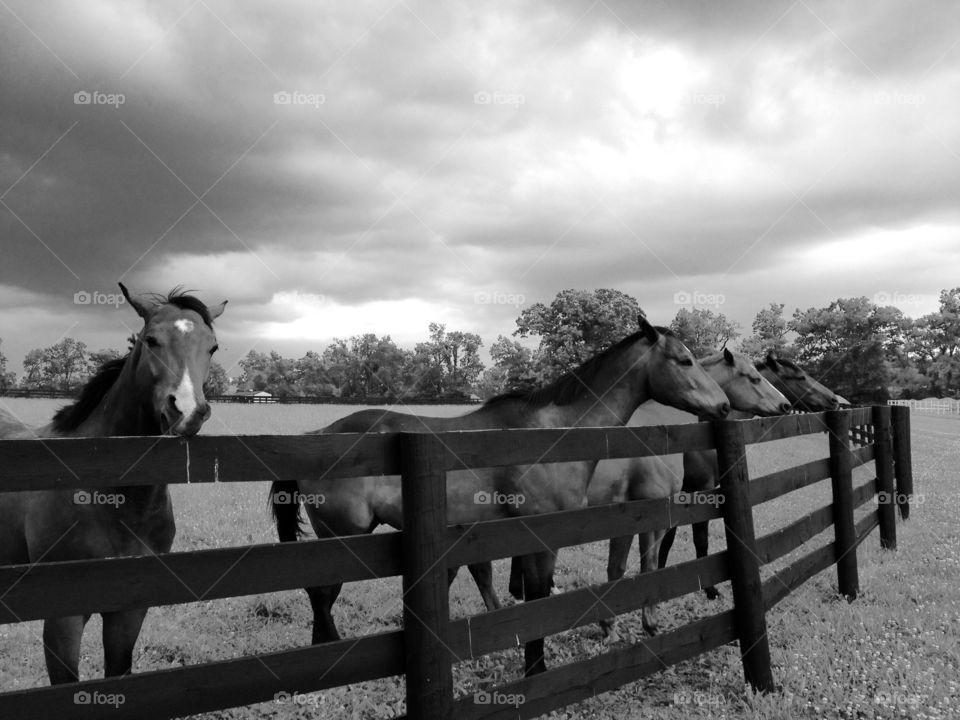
x=649, y=543
x=616, y=568
x=701, y=542
x=483, y=577
x=322, y=599
x=537, y=580
x=516, y=578
x=120, y=632
x=61, y=647
x=665, y=544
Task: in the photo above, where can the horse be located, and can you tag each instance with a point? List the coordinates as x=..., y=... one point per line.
x=700, y=470
x=603, y=391
x=157, y=388
x=650, y=478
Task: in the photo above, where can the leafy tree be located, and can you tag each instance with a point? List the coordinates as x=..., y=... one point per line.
x=703, y=331
x=217, y=381
x=849, y=344
x=64, y=363
x=312, y=375
x=576, y=326
x=515, y=366
x=33, y=369
x=448, y=364
x=7, y=379
x=769, y=333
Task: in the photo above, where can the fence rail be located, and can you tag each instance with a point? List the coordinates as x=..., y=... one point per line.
x=936, y=406
x=430, y=642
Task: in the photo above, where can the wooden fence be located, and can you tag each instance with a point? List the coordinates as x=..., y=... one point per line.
x=430, y=642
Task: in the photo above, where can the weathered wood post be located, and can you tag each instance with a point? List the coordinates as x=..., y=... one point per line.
x=748, y=606
x=841, y=474
x=902, y=461
x=426, y=611
x=883, y=459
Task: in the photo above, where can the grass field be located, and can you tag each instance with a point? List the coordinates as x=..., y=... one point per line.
x=891, y=653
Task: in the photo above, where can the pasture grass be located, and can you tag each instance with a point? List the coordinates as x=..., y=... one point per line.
x=892, y=653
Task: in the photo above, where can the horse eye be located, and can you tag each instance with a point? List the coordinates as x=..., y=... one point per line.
x=214, y=349
x=152, y=341
x=686, y=361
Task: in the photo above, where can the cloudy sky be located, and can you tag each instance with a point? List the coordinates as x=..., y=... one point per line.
x=377, y=166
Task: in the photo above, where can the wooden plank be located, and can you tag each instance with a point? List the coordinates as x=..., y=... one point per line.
x=426, y=599
x=778, y=586
x=578, y=681
x=769, y=487
x=744, y=563
x=64, y=463
x=504, y=628
x=860, y=415
x=775, y=545
x=885, y=487
x=495, y=448
x=861, y=456
x=782, y=426
x=516, y=536
x=902, y=458
x=195, y=689
x=842, y=482
x=32, y=592
x=863, y=493
x=866, y=524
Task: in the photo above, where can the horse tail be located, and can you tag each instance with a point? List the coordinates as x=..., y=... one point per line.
x=285, y=508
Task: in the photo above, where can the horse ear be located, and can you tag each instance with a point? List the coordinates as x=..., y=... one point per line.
x=771, y=360
x=135, y=303
x=728, y=356
x=216, y=310
x=649, y=331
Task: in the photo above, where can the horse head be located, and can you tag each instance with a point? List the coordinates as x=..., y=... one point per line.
x=743, y=384
x=803, y=392
x=677, y=379
x=172, y=354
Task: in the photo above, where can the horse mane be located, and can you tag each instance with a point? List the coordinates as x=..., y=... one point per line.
x=71, y=416
x=178, y=297
x=570, y=386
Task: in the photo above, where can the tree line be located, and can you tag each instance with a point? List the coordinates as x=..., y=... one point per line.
x=864, y=351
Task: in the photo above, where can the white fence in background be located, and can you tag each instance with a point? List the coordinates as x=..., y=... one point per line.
x=933, y=406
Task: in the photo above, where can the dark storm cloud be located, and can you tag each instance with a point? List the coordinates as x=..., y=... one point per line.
x=435, y=154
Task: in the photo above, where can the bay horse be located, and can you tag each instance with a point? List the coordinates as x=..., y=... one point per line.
x=655, y=477
x=604, y=391
x=156, y=389
x=700, y=470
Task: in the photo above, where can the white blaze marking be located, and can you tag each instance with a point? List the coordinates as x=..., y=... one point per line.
x=186, y=403
x=184, y=325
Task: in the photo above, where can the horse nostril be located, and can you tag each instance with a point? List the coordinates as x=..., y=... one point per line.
x=725, y=409
x=172, y=403
x=784, y=407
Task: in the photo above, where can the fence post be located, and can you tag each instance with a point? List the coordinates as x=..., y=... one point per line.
x=748, y=606
x=883, y=459
x=426, y=610
x=841, y=474
x=902, y=459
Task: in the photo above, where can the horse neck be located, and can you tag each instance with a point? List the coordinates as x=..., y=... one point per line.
x=615, y=390
x=122, y=413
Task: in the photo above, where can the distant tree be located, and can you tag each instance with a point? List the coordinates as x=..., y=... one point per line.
x=7, y=379
x=217, y=381
x=312, y=377
x=932, y=344
x=849, y=345
x=769, y=333
x=515, y=365
x=33, y=369
x=447, y=365
x=703, y=331
x=254, y=371
x=64, y=363
x=577, y=325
